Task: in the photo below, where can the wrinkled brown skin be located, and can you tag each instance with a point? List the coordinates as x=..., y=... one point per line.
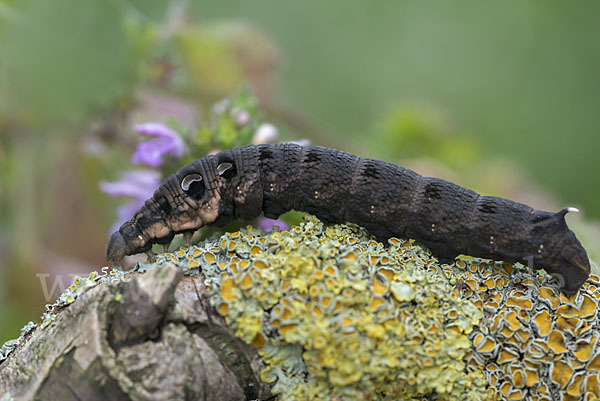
x=336, y=186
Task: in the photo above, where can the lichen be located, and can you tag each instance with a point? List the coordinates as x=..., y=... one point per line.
x=337, y=315
x=344, y=316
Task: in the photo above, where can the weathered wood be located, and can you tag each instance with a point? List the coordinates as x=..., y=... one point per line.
x=153, y=336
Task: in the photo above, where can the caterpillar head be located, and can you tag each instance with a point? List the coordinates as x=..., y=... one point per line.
x=566, y=259
x=187, y=200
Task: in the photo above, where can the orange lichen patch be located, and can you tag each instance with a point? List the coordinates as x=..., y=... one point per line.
x=472, y=284
x=319, y=275
x=330, y=270
x=522, y=335
x=511, y=321
x=517, y=375
x=319, y=343
x=515, y=394
x=561, y=373
x=556, y=342
x=567, y=311
x=286, y=313
x=531, y=377
x=574, y=388
x=522, y=303
x=478, y=303
x=223, y=308
x=233, y=267
x=549, y=295
x=227, y=290
x=568, y=299
x=592, y=385
x=484, y=344
x=490, y=282
x=346, y=321
x=286, y=328
x=351, y=256
x=508, y=269
x=197, y=252
x=505, y=388
x=502, y=283
x=209, y=257
x=568, y=325
x=507, y=355
x=394, y=241
x=594, y=278
x=259, y=264
x=594, y=364
x=255, y=250
x=259, y=340
x=380, y=284
x=316, y=310
x=537, y=350
x=481, y=288
x=543, y=322
x=228, y=245
x=286, y=284
x=388, y=273
x=585, y=348
x=246, y=282
x=193, y=263
x=588, y=307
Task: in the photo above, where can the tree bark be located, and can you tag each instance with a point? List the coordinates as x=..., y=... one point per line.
x=153, y=336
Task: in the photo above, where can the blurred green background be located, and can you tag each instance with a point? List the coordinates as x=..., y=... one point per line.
x=502, y=97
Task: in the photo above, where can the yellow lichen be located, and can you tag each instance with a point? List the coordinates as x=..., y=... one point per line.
x=336, y=315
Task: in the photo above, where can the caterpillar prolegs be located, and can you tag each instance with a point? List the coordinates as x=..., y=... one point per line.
x=336, y=186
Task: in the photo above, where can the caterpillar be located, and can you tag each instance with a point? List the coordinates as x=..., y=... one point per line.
x=336, y=186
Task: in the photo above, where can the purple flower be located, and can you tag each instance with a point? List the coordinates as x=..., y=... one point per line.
x=166, y=141
x=266, y=224
x=139, y=184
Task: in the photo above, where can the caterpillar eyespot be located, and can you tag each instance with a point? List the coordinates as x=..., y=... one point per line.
x=189, y=180
x=223, y=168
x=336, y=186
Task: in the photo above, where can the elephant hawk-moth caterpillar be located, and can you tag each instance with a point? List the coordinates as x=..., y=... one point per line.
x=336, y=186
